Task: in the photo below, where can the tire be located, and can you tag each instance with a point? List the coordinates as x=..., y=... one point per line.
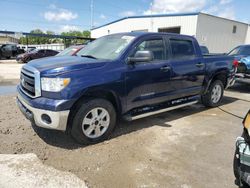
x=8, y=57
x=212, y=99
x=88, y=127
x=236, y=164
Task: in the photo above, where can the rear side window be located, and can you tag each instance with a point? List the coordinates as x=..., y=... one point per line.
x=182, y=48
x=156, y=46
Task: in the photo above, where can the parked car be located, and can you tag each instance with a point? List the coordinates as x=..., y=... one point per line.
x=241, y=163
x=127, y=75
x=204, y=50
x=71, y=51
x=35, y=54
x=9, y=50
x=242, y=54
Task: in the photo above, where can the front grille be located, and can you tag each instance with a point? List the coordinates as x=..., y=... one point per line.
x=30, y=81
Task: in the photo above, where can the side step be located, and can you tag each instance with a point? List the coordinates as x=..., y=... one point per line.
x=151, y=113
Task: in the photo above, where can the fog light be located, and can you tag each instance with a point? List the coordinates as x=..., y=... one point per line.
x=46, y=118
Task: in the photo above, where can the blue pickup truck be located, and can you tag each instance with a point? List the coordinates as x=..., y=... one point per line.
x=125, y=75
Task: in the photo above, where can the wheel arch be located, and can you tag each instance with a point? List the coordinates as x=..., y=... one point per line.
x=220, y=75
x=92, y=94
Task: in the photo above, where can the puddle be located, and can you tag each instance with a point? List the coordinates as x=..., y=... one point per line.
x=7, y=90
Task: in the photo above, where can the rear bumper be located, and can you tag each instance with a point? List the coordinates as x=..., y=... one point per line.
x=242, y=78
x=57, y=119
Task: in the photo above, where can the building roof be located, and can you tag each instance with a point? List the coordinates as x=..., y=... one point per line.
x=149, y=16
x=165, y=15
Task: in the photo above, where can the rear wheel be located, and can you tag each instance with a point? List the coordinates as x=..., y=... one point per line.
x=93, y=121
x=214, y=95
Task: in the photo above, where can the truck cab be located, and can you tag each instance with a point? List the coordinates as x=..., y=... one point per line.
x=125, y=75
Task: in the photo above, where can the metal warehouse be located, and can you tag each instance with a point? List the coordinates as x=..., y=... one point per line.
x=220, y=35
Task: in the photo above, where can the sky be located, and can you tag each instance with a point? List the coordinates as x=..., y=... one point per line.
x=65, y=15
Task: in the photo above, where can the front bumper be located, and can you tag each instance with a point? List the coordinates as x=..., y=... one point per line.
x=58, y=119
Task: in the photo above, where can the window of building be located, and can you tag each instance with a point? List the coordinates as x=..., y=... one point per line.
x=170, y=30
x=182, y=48
x=234, y=29
x=156, y=46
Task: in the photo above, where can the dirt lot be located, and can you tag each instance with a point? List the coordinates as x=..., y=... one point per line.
x=191, y=147
x=10, y=71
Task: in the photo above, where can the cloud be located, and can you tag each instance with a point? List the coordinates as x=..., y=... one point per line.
x=102, y=16
x=224, y=9
x=224, y=2
x=227, y=12
x=127, y=13
x=59, y=14
x=66, y=28
x=175, y=6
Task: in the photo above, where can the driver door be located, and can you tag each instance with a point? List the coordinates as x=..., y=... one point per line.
x=148, y=82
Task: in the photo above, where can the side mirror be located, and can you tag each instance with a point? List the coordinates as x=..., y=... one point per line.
x=246, y=121
x=141, y=56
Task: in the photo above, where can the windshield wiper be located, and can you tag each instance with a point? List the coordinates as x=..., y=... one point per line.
x=89, y=56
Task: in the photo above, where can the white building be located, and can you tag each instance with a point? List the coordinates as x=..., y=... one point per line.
x=218, y=34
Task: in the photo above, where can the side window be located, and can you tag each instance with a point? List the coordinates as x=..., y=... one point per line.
x=156, y=46
x=182, y=48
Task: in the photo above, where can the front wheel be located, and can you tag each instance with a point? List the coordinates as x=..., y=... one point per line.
x=214, y=95
x=93, y=121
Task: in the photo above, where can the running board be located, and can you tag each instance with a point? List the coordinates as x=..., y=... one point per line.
x=131, y=118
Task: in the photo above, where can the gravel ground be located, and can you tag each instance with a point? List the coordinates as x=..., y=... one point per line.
x=8, y=61
x=191, y=147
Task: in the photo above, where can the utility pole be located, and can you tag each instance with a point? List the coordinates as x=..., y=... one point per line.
x=151, y=14
x=92, y=13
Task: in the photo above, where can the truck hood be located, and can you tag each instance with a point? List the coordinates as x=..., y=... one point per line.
x=63, y=64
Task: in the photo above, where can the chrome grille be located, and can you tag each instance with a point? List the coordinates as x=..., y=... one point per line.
x=30, y=81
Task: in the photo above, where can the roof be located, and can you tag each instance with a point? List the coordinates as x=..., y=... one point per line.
x=149, y=16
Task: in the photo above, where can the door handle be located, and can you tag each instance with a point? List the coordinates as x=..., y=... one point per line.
x=200, y=64
x=165, y=69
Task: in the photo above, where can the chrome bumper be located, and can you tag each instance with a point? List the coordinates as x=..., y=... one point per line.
x=242, y=78
x=58, y=119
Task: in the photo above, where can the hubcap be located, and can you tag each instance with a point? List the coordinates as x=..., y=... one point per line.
x=96, y=122
x=216, y=94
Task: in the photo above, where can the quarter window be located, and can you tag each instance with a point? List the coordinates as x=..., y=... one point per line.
x=156, y=46
x=182, y=48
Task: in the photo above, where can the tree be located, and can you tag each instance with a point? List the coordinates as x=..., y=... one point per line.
x=76, y=34
x=48, y=40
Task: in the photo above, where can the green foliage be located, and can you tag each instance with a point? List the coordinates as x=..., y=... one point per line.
x=48, y=40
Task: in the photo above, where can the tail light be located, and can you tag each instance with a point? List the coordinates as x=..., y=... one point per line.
x=235, y=63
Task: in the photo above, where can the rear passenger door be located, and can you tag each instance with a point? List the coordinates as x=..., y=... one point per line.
x=188, y=68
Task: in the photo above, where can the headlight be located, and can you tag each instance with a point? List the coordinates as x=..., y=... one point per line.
x=54, y=84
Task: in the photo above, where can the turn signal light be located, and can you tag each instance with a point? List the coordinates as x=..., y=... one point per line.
x=246, y=121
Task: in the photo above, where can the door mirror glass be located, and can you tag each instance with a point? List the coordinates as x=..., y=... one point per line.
x=141, y=56
x=246, y=121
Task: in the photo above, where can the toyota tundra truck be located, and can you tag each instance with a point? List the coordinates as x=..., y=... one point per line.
x=125, y=75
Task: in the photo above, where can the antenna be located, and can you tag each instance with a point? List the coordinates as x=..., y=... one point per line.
x=92, y=13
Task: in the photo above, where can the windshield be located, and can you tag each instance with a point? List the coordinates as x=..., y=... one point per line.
x=109, y=47
x=68, y=51
x=241, y=50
